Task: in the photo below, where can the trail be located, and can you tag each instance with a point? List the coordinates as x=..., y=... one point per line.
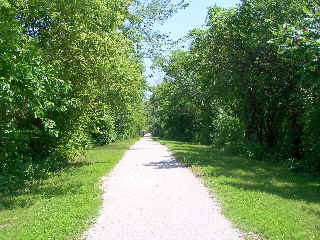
x=151, y=196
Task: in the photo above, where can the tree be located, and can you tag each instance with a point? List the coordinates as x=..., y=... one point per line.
x=252, y=77
x=67, y=73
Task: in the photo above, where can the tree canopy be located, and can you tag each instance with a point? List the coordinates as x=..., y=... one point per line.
x=71, y=76
x=250, y=80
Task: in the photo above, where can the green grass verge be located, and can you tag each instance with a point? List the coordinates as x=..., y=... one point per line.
x=64, y=205
x=258, y=197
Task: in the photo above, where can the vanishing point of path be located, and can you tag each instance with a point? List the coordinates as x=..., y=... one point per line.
x=151, y=196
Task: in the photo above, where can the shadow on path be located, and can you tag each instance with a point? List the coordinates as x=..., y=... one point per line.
x=166, y=164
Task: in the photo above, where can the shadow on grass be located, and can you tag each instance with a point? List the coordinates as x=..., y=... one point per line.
x=247, y=174
x=73, y=179
x=25, y=197
x=9, y=201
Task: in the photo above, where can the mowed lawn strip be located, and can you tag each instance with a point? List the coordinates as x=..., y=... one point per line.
x=64, y=205
x=262, y=199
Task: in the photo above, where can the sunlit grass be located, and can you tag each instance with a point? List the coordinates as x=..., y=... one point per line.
x=258, y=197
x=65, y=204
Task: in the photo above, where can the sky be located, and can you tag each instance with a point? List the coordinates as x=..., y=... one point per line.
x=193, y=17
x=184, y=21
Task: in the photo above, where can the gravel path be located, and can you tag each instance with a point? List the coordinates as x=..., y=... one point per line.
x=151, y=196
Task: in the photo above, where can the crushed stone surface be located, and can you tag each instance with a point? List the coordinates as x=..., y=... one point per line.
x=151, y=196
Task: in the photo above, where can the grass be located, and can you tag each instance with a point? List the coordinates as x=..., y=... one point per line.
x=65, y=204
x=262, y=199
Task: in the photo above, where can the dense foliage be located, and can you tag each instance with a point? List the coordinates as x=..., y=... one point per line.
x=68, y=77
x=250, y=81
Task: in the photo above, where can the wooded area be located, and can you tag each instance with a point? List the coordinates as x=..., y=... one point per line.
x=243, y=101
x=69, y=77
x=250, y=81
